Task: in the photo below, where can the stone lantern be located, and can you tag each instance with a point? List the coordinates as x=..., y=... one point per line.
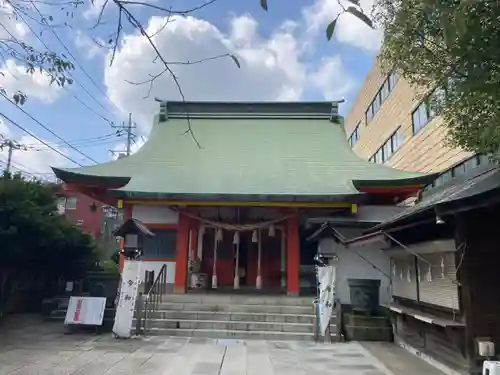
x=133, y=232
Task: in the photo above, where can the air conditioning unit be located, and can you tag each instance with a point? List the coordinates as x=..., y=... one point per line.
x=491, y=368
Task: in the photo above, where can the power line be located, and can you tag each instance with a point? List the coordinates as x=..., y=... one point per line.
x=104, y=137
x=39, y=139
x=48, y=129
x=70, y=53
x=72, y=76
x=130, y=135
x=11, y=146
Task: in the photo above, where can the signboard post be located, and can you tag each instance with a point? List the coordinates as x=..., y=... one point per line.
x=128, y=296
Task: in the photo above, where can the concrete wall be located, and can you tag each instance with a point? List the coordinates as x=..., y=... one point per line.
x=352, y=265
x=424, y=152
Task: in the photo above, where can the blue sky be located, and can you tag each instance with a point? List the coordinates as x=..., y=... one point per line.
x=283, y=52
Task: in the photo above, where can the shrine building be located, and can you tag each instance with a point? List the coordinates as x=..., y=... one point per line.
x=228, y=189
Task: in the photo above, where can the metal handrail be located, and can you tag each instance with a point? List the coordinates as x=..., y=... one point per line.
x=148, y=303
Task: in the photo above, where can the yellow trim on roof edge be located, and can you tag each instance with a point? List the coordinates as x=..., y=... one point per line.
x=351, y=206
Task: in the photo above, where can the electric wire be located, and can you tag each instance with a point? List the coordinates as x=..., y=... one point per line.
x=39, y=139
x=71, y=54
x=49, y=130
x=72, y=76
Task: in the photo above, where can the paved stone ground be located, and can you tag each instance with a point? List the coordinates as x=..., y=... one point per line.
x=28, y=347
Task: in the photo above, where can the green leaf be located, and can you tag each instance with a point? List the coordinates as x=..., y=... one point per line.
x=236, y=61
x=330, y=29
x=263, y=4
x=460, y=22
x=363, y=17
x=466, y=3
x=448, y=32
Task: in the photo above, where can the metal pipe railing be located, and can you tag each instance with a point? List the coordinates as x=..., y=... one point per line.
x=148, y=302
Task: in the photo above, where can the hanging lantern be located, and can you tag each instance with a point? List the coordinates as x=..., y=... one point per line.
x=201, y=231
x=394, y=269
x=254, y=237
x=401, y=274
x=408, y=276
x=271, y=230
x=236, y=238
x=218, y=235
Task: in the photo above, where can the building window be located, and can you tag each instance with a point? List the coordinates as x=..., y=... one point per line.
x=71, y=203
x=369, y=113
x=388, y=148
x=67, y=203
x=382, y=94
x=393, y=80
x=396, y=140
x=427, y=110
x=162, y=245
x=354, y=135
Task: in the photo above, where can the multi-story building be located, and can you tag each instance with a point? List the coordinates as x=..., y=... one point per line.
x=392, y=122
x=92, y=217
x=81, y=210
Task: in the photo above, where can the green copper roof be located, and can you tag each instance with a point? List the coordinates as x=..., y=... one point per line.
x=280, y=150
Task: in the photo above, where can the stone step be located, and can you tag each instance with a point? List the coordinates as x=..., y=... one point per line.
x=232, y=316
x=233, y=334
x=231, y=325
x=366, y=321
x=234, y=308
x=238, y=299
x=368, y=333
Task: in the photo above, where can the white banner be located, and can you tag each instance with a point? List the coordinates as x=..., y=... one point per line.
x=131, y=276
x=85, y=310
x=326, y=278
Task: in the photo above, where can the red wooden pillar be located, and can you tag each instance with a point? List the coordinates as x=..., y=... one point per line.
x=292, y=256
x=181, y=255
x=194, y=239
x=127, y=214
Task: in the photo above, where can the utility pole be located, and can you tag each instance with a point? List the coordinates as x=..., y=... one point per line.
x=129, y=127
x=11, y=146
x=129, y=133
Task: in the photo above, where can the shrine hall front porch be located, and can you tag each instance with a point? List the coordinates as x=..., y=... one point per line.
x=211, y=254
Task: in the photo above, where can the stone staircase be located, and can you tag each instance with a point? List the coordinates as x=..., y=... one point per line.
x=234, y=316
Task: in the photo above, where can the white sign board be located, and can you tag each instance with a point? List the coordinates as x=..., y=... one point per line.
x=85, y=310
x=131, y=276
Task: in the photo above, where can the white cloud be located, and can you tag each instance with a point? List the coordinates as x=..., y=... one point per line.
x=36, y=160
x=4, y=129
x=94, y=8
x=271, y=68
x=13, y=78
x=85, y=44
x=349, y=29
x=121, y=147
x=11, y=27
x=328, y=80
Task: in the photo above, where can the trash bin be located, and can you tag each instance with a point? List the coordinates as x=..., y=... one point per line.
x=364, y=295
